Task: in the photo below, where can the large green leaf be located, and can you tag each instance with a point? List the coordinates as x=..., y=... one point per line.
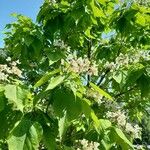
x=34, y=136
x=25, y=136
x=64, y=100
x=54, y=56
x=8, y=118
x=16, y=95
x=49, y=138
x=100, y=91
x=18, y=136
x=119, y=137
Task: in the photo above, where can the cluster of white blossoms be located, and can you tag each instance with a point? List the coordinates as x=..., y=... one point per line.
x=139, y=147
x=11, y=69
x=118, y=117
x=88, y=145
x=83, y=65
x=121, y=120
x=123, y=60
x=143, y=2
x=110, y=105
x=60, y=44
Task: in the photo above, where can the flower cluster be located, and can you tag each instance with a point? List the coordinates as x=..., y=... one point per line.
x=139, y=147
x=83, y=65
x=88, y=145
x=123, y=60
x=110, y=105
x=121, y=120
x=118, y=117
x=60, y=44
x=6, y=70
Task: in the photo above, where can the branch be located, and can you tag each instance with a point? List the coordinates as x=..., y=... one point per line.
x=102, y=77
x=122, y=93
x=89, y=57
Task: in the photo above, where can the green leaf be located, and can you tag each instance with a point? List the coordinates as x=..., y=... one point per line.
x=8, y=26
x=25, y=136
x=86, y=109
x=14, y=15
x=8, y=118
x=103, y=2
x=2, y=101
x=118, y=136
x=63, y=124
x=54, y=56
x=100, y=91
x=46, y=77
x=64, y=100
x=104, y=123
x=29, y=40
x=144, y=84
x=117, y=76
x=37, y=48
x=140, y=19
x=68, y=148
x=88, y=33
x=2, y=87
x=96, y=121
x=18, y=136
x=134, y=74
x=97, y=11
x=105, y=145
x=54, y=82
x=49, y=138
x=16, y=95
x=35, y=135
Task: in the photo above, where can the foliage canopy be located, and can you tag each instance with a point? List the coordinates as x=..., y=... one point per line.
x=78, y=78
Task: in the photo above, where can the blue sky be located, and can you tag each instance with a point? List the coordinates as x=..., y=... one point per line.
x=29, y=8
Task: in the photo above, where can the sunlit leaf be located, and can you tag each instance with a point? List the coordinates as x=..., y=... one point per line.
x=100, y=91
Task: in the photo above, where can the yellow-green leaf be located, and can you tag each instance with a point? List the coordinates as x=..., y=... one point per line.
x=55, y=82
x=100, y=91
x=45, y=78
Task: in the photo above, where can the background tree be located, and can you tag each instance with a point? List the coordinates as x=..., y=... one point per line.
x=79, y=78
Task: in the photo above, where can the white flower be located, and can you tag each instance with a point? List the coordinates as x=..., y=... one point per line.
x=137, y=131
x=93, y=70
x=8, y=70
x=16, y=71
x=3, y=67
x=121, y=120
x=118, y=117
x=8, y=59
x=129, y=128
x=89, y=145
x=3, y=76
x=14, y=63
x=18, y=62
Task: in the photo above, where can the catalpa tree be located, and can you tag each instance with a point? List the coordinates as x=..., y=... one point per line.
x=78, y=78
